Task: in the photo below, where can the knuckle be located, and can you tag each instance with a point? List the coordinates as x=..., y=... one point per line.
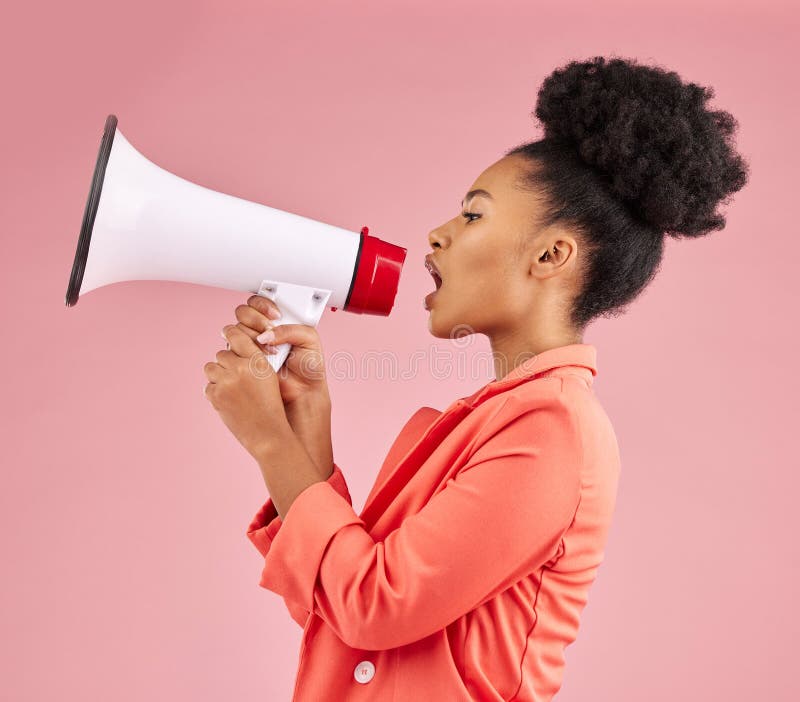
x=248, y=315
x=245, y=314
x=262, y=304
x=309, y=333
x=259, y=302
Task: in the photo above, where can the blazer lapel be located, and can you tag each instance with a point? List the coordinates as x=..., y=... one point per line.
x=416, y=441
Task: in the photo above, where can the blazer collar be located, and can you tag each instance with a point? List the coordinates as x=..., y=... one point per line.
x=428, y=426
x=582, y=358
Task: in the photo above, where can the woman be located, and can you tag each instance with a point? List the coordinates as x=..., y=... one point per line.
x=465, y=574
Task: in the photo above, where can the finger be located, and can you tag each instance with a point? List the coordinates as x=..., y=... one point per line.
x=226, y=358
x=253, y=334
x=213, y=371
x=241, y=344
x=302, y=335
x=265, y=306
x=251, y=317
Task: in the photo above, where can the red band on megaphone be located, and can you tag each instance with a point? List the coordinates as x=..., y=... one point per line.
x=377, y=275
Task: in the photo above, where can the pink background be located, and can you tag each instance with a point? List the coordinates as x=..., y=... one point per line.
x=127, y=573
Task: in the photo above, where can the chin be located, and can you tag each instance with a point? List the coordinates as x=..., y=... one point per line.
x=446, y=327
x=434, y=329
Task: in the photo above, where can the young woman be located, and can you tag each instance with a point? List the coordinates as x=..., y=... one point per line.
x=465, y=574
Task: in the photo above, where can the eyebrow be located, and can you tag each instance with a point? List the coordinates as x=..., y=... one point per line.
x=479, y=191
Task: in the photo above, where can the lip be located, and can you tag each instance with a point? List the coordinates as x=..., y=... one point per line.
x=428, y=301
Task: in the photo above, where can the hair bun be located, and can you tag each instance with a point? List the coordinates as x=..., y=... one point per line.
x=663, y=152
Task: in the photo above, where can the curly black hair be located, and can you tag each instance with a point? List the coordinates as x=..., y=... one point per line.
x=630, y=153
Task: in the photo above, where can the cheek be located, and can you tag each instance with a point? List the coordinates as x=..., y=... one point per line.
x=474, y=288
x=479, y=282
x=493, y=277
x=478, y=298
x=483, y=264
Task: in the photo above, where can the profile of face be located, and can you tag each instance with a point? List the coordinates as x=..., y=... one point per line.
x=499, y=275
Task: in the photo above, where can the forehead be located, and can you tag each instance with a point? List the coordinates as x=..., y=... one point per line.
x=501, y=179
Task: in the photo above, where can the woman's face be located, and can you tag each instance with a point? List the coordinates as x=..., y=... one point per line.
x=485, y=258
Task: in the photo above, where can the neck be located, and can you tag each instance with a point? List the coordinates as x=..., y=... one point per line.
x=511, y=349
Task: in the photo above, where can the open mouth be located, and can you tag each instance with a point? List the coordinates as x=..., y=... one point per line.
x=437, y=278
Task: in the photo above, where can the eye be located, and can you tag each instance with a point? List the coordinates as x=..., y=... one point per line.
x=467, y=216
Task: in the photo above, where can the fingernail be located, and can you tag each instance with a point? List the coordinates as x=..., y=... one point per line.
x=273, y=313
x=222, y=334
x=266, y=336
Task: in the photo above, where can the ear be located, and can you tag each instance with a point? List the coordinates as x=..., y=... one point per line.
x=553, y=254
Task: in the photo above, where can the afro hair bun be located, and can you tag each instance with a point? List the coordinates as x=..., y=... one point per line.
x=662, y=152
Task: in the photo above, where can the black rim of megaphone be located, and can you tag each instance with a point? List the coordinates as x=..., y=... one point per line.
x=89, y=213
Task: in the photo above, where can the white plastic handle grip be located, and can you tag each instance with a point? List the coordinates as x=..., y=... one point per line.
x=299, y=304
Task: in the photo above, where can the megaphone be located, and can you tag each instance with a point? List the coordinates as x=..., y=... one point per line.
x=142, y=222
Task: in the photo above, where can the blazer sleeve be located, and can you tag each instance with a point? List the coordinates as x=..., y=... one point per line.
x=266, y=524
x=499, y=518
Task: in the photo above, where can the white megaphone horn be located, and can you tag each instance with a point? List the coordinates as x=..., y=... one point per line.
x=142, y=222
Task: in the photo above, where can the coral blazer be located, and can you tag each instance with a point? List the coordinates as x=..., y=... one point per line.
x=465, y=574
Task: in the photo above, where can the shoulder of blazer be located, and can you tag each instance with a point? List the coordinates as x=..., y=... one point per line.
x=544, y=394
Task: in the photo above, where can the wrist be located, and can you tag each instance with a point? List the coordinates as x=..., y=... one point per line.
x=309, y=405
x=310, y=419
x=275, y=443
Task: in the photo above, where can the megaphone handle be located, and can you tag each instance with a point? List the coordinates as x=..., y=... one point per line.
x=299, y=304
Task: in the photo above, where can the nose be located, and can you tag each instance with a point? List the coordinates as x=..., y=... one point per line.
x=437, y=238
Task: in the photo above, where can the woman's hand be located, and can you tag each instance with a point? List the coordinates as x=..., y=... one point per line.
x=243, y=388
x=301, y=379
x=304, y=375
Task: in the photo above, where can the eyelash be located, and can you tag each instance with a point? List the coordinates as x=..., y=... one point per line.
x=467, y=216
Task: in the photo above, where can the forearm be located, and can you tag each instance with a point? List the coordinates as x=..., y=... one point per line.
x=287, y=469
x=310, y=419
